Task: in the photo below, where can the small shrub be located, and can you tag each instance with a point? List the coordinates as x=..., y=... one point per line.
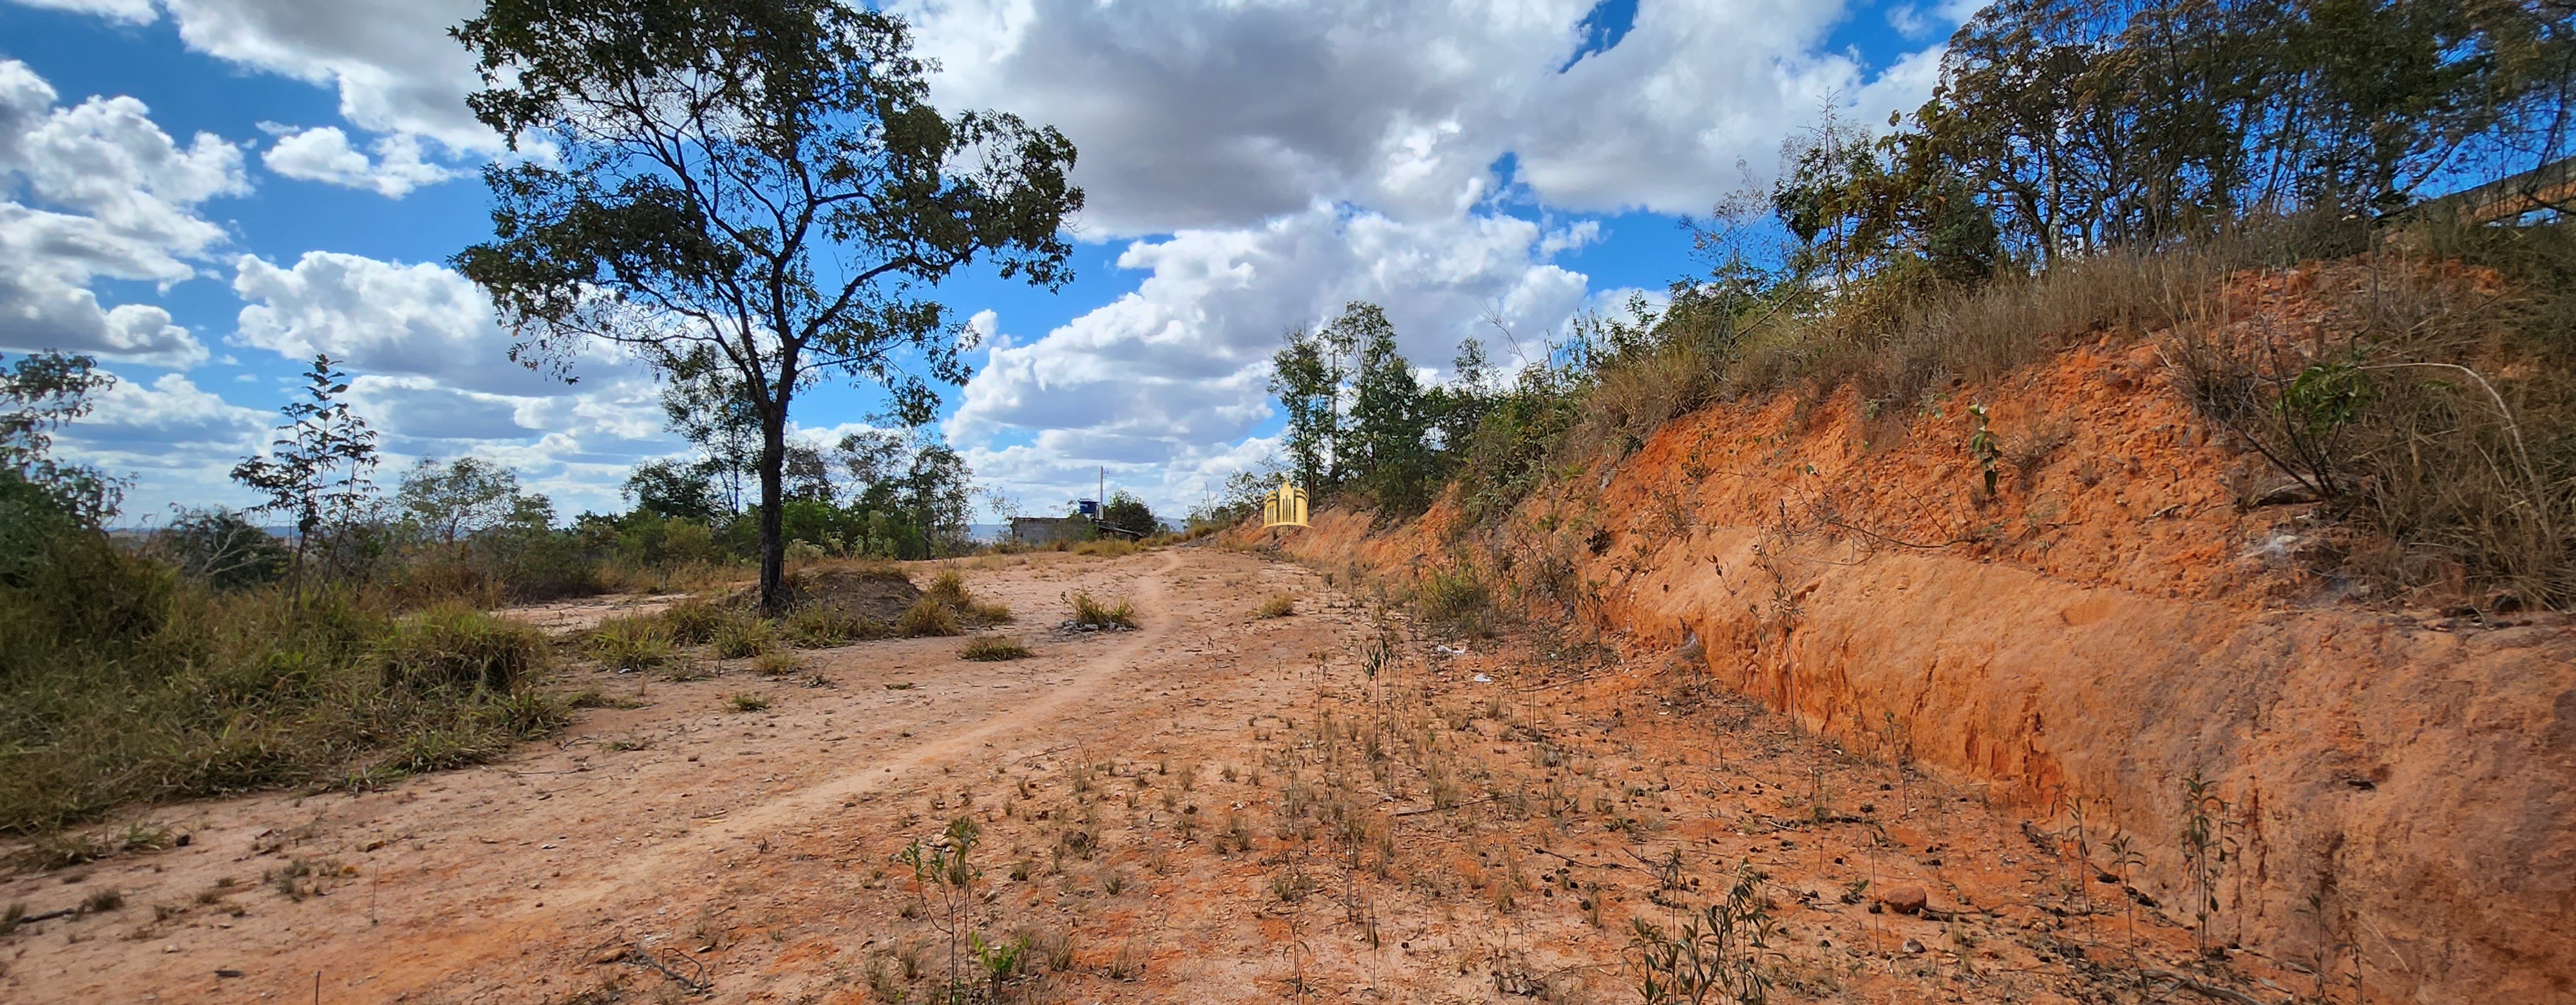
x=776, y=663
x=453, y=646
x=1279, y=605
x=928, y=617
x=993, y=649
x=1454, y=599
x=1090, y=612
x=748, y=702
x=742, y=637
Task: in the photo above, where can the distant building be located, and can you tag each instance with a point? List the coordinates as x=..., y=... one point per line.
x=1050, y=529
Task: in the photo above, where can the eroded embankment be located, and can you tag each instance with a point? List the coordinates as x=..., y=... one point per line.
x=2107, y=627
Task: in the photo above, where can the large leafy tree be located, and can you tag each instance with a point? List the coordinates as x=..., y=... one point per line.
x=1389, y=421
x=753, y=188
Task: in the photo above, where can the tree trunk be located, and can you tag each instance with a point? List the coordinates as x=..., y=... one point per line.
x=773, y=548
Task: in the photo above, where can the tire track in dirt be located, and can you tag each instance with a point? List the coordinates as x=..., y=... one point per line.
x=672, y=865
x=1089, y=679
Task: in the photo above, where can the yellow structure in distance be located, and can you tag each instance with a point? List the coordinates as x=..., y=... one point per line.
x=1284, y=507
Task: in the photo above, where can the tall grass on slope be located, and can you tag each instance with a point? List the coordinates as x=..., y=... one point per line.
x=2434, y=410
x=121, y=684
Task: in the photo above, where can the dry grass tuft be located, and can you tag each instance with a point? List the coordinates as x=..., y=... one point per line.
x=928, y=617
x=634, y=642
x=1090, y=612
x=744, y=636
x=777, y=663
x=814, y=626
x=694, y=620
x=1279, y=605
x=993, y=649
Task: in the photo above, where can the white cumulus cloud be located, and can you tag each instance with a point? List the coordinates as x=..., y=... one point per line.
x=323, y=154
x=1177, y=373
x=433, y=371
x=1207, y=113
x=391, y=61
x=97, y=191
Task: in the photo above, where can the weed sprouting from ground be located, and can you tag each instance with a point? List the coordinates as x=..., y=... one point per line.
x=1716, y=952
x=748, y=702
x=2204, y=850
x=1279, y=605
x=1454, y=599
x=946, y=865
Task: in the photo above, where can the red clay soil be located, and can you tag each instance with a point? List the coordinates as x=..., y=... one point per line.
x=2388, y=790
x=1334, y=805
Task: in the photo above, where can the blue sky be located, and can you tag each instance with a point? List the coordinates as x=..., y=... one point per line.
x=296, y=171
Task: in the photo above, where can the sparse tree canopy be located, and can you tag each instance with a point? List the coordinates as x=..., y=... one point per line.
x=320, y=469
x=756, y=189
x=449, y=502
x=39, y=394
x=1128, y=511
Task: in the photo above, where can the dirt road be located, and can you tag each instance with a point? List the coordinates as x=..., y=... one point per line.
x=1214, y=807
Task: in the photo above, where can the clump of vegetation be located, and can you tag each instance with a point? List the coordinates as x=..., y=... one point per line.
x=455, y=646
x=993, y=649
x=1279, y=605
x=949, y=588
x=1455, y=599
x=928, y=617
x=743, y=636
x=631, y=642
x=747, y=701
x=1721, y=952
x=694, y=620
x=213, y=663
x=815, y=626
x=1091, y=612
x=776, y=663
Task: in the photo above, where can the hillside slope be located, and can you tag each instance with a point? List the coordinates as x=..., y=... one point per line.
x=2386, y=788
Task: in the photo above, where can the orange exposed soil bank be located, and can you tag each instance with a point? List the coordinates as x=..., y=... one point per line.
x=2111, y=624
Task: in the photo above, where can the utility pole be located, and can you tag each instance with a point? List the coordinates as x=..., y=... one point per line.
x=1104, y=489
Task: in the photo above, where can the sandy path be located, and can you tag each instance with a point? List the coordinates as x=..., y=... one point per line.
x=1109, y=773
